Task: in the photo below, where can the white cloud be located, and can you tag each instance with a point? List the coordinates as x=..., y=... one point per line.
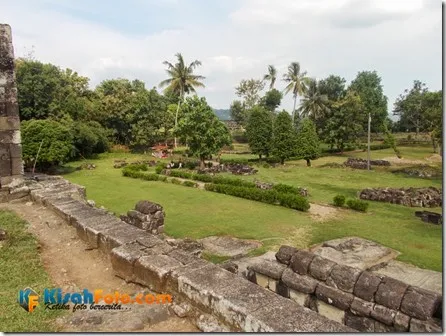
x=399, y=39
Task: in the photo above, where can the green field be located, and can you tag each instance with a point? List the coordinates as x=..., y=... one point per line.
x=21, y=267
x=197, y=213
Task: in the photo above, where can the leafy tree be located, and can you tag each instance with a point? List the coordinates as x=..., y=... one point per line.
x=181, y=80
x=333, y=87
x=307, y=141
x=367, y=85
x=271, y=76
x=201, y=129
x=249, y=90
x=284, y=137
x=271, y=100
x=432, y=122
x=409, y=106
x=259, y=131
x=314, y=103
x=56, y=143
x=238, y=112
x=297, y=82
x=389, y=139
x=345, y=124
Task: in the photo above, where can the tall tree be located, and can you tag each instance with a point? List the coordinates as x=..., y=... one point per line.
x=249, y=90
x=259, y=131
x=367, y=85
x=271, y=76
x=345, y=124
x=284, y=137
x=297, y=82
x=333, y=87
x=314, y=103
x=201, y=129
x=271, y=100
x=238, y=112
x=409, y=106
x=182, y=80
x=307, y=141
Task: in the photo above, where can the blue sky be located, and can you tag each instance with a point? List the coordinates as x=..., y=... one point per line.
x=234, y=39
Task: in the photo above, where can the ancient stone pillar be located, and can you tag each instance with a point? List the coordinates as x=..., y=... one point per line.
x=11, y=165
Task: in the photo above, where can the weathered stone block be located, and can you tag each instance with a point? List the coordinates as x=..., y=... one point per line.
x=300, y=283
x=382, y=328
x=117, y=236
x=282, y=289
x=16, y=166
x=431, y=325
x=401, y=322
x=285, y=254
x=383, y=314
x=15, y=151
x=334, y=296
x=123, y=259
x=95, y=227
x=4, y=195
x=272, y=269
x=366, y=286
x=320, y=268
x=172, y=280
x=9, y=123
x=147, y=207
x=361, y=307
x=149, y=240
x=363, y=324
x=152, y=271
x=300, y=261
x=331, y=312
x=162, y=248
x=390, y=293
x=5, y=167
x=182, y=256
x=262, y=280
x=420, y=303
x=343, y=277
x=272, y=285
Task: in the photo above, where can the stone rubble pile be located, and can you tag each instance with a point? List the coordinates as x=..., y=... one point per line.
x=412, y=197
x=120, y=163
x=241, y=169
x=148, y=216
x=430, y=217
x=362, y=164
x=421, y=171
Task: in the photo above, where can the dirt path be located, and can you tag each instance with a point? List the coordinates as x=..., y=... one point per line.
x=72, y=266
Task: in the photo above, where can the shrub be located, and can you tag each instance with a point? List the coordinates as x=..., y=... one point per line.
x=181, y=174
x=189, y=164
x=265, y=196
x=358, y=205
x=339, y=200
x=159, y=168
x=190, y=184
x=284, y=188
x=57, y=145
x=163, y=179
x=150, y=177
x=175, y=181
x=88, y=138
x=137, y=167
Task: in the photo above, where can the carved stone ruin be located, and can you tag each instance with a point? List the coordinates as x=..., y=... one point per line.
x=11, y=165
x=148, y=216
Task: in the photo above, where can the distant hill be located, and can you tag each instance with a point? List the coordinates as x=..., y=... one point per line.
x=223, y=114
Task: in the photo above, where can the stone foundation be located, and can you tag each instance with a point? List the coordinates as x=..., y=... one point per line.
x=362, y=164
x=148, y=216
x=412, y=197
x=357, y=298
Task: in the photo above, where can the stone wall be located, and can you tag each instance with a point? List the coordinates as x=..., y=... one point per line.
x=210, y=296
x=362, y=164
x=148, y=216
x=412, y=197
x=359, y=299
x=11, y=165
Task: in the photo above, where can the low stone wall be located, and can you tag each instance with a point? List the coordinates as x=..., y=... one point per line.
x=359, y=299
x=148, y=216
x=200, y=289
x=411, y=197
x=362, y=164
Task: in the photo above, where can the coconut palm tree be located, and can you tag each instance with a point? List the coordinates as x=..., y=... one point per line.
x=271, y=76
x=313, y=103
x=181, y=80
x=297, y=82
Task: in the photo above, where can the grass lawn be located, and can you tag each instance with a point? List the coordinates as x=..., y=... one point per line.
x=197, y=213
x=21, y=267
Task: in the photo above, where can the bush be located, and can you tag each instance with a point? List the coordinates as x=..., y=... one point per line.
x=286, y=189
x=181, y=174
x=137, y=167
x=296, y=202
x=140, y=175
x=88, y=138
x=190, y=184
x=189, y=164
x=339, y=200
x=358, y=205
x=57, y=145
x=175, y=181
x=159, y=168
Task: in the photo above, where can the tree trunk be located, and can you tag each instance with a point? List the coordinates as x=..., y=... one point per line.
x=202, y=166
x=308, y=162
x=260, y=157
x=434, y=143
x=282, y=161
x=176, y=117
x=294, y=109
